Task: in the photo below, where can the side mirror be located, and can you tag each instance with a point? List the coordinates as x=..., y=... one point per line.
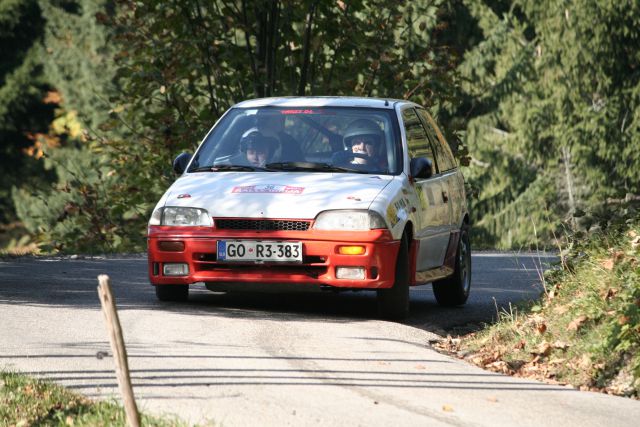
x=421, y=167
x=180, y=163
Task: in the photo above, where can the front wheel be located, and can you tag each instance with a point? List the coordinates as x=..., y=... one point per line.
x=172, y=292
x=393, y=303
x=454, y=290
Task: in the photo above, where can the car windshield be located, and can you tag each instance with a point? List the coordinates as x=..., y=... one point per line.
x=314, y=139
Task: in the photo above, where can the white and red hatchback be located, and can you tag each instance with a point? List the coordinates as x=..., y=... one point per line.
x=318, y=192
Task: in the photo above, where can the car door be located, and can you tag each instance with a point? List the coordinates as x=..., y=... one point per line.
x=448, y=168
x=432, y=230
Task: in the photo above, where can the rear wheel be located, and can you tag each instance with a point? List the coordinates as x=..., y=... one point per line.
x=393, y=303
x=172, y=292
x=454, y=290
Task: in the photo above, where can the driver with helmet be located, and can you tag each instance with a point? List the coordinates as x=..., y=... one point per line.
x=365, y=139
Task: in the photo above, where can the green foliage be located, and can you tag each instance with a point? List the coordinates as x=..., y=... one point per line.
x=78, y=212
x=143, y=81
x=554, y=89
x=28, y=401
x=180, y=66
x=23, y=114
x=585, y=329
x=543, y=96
x=79, y=57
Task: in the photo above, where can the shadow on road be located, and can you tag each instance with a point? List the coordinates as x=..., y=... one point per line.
x=498, y=280
x=405, y=377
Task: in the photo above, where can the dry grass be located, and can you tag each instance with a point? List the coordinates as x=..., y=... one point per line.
x=585, y=329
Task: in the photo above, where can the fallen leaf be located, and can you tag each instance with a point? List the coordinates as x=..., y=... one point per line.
x=520, y=345
x=610, y=293
x=561, y=345
x=421, y=367
x=635, y=242
x=477, y=360
x=498, y=366
x=447, y=408
x=607, y=264
x=530, y=369
x=623, y=320
x=576, y=323
x=69, y=421
x=541, y=328
x=585, y=362
x=543, y=349
x=492, y=399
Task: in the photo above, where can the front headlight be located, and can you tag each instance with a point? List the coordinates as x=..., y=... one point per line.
x=349, y=220
x=181, y=217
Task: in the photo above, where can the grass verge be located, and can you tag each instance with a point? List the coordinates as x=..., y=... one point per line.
x=585, y=329
x=25, y=401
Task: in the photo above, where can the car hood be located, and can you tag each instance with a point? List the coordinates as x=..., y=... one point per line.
x=274, y=194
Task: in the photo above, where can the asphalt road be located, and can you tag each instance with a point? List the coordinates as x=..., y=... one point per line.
x=273, y=359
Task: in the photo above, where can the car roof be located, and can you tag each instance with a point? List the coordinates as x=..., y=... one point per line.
x=322, y=101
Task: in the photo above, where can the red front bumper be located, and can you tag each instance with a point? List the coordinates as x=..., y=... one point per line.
x=319, y=250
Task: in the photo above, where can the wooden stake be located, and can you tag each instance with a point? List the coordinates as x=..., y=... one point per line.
x=118, y=349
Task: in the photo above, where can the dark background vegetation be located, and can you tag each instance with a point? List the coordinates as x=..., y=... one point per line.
x=540, y=99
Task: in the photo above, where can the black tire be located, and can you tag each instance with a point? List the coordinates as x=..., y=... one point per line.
x=454, y=290
x=393, y=303
x=172, y=292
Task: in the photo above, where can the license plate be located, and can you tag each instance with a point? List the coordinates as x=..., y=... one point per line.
x=259, y=251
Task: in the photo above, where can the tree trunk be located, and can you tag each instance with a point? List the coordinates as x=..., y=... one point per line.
x=306, y=50
x=566, y=159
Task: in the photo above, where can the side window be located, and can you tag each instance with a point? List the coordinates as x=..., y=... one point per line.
x=445, y=158
x=417, y=141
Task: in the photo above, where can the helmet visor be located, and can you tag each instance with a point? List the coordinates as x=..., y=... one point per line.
x=366, y=139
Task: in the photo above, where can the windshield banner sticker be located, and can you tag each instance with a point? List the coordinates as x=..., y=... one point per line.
x=268, y=189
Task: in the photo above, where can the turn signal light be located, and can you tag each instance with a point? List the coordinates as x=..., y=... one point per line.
x=171, y=246
x=351, y=250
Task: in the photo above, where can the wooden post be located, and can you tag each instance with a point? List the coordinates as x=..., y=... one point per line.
x=118, y=349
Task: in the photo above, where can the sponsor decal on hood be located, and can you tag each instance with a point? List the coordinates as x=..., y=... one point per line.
x=282, y=195
x=268, y=188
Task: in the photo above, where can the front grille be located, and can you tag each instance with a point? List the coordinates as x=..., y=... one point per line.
x=262, y=224
x=307, y=270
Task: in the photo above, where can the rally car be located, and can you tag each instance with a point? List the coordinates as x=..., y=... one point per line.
x=334, y=193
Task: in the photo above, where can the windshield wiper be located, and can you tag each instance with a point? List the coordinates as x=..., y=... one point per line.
x=225, y=167
x=311, y=167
